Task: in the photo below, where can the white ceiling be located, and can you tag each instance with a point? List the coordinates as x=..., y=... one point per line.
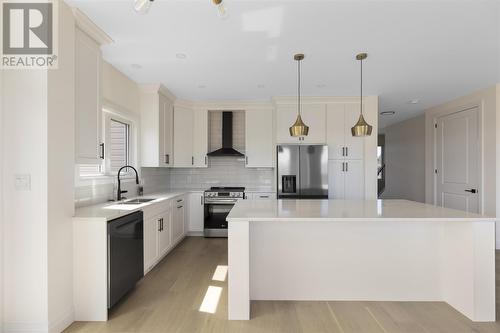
x=433, y=51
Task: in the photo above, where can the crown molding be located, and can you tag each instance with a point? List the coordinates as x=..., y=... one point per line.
x=157, y=88
x=89, y=27
x=287, y=100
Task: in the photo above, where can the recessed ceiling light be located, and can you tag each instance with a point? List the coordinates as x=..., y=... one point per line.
x=413, y=101
x=202, y=86
x=180, y=55
x=136, y=66
x=260, y=86
x=321, y=85
x=387, y=113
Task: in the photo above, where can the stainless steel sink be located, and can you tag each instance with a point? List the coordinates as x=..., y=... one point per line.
x=137, y=201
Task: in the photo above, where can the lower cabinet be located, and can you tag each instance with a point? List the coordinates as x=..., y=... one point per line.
x=196, y=213
x=164, y=227
x=346, y=179
x=178, y=219
x=261, y=195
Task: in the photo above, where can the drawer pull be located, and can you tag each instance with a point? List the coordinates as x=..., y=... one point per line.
x=178, y=207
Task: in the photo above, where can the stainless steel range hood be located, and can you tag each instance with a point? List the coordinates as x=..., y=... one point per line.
x=227, y=138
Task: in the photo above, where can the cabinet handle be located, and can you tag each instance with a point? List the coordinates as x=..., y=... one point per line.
x=346, y=151
x=346, y=167
x=159, y=224
x=167, y=159
x=246, y=160
x=180, y=200
x=102, y=150
x=192, y=160
x=343, y=151
x=264, y=196
x=179, y=207
x=205, y=160
x=201, y=200
x=343, y=166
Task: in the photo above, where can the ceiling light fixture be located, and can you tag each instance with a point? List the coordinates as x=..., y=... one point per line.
x=413, y=101
x=387, y=113
x=180, y=55
x=362, y=128
x=221, y=8
x=299, y=128
x=142, y=6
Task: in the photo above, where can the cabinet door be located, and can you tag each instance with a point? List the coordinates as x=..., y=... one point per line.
x=335, y=131
x=200, y=138
x=285, y=117
x=259, y=138
x=164, y=237
x=196, y=212
x=354, y=180
x=151, y=231
x=354, y=145
x=336, y=179
x=178, y=220
x=183, y=137
x=314, y=116
x=88, y=111
x=166, y=131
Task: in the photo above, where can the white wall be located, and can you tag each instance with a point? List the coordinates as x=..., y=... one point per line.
x=119, y=90
x=488, y=102
x=405, y=160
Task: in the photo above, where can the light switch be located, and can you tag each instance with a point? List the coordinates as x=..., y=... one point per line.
x=23, y=182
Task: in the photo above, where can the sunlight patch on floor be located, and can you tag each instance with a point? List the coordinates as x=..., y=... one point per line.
x=211, y=299
x=220, y=273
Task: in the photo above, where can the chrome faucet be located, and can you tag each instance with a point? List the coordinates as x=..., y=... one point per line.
x=119, y=192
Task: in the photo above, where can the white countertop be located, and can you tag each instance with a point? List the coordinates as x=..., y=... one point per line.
x=113, y=210
x=345, y=210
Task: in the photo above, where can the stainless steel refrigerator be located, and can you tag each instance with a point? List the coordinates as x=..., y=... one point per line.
x=302, y=172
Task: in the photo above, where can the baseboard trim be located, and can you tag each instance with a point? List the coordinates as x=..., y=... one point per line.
x=195, y=233
x=62, y=323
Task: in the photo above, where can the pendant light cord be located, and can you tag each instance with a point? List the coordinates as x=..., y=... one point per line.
x=361, y=96
x=298, y=94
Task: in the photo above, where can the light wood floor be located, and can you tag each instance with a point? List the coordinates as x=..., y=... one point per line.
x=168, y=299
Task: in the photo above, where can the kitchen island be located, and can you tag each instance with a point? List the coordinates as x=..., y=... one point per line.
x=360, y=250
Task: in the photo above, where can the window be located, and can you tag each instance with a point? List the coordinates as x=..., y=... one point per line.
x=90, y=170
x=118, y=147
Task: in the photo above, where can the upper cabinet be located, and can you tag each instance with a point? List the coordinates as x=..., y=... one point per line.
x=88, y=65
x=259, y=138
x=89, y=148
x=190, y=137
x=157, y=124
x=313, y=115
x=341, y=144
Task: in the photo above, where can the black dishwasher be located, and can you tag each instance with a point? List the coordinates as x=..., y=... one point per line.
x=125, y=255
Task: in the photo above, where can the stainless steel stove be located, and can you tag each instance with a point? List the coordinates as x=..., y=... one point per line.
x=218, y=203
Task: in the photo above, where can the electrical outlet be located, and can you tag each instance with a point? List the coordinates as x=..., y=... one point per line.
x=22, y=182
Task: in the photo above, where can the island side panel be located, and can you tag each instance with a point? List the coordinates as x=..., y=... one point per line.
x=238, y=272
x=468, y=268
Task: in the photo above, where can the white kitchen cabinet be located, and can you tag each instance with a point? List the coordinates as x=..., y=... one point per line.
x=157, y=126
x=178, y=219
x=151, y=248
x=89, y=148
x=183, y=137
x=259, y=145
x=200, y=138
x=346, y=179
x=341, y=144
x=313, y=115
x=164, y=233
x=196, y=212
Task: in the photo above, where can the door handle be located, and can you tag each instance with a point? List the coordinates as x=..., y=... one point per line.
x=472, y=190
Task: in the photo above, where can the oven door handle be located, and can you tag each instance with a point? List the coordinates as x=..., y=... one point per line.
x=222, y=202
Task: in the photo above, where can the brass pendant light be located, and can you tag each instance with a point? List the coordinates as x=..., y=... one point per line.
x=362, y=128
x=299, y=128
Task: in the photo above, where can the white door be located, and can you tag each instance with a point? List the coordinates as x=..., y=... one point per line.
x=196, y=212
x=354, y=146
x=259, y=138
x=336, y=179
x=183, y=137
x=88, y=111
x=314, y=116
x=164, y=239
x=457, y=161
x=200, y=138
x=354, y=186
x=166, y=131
x=151, y=231
x=335, y=134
